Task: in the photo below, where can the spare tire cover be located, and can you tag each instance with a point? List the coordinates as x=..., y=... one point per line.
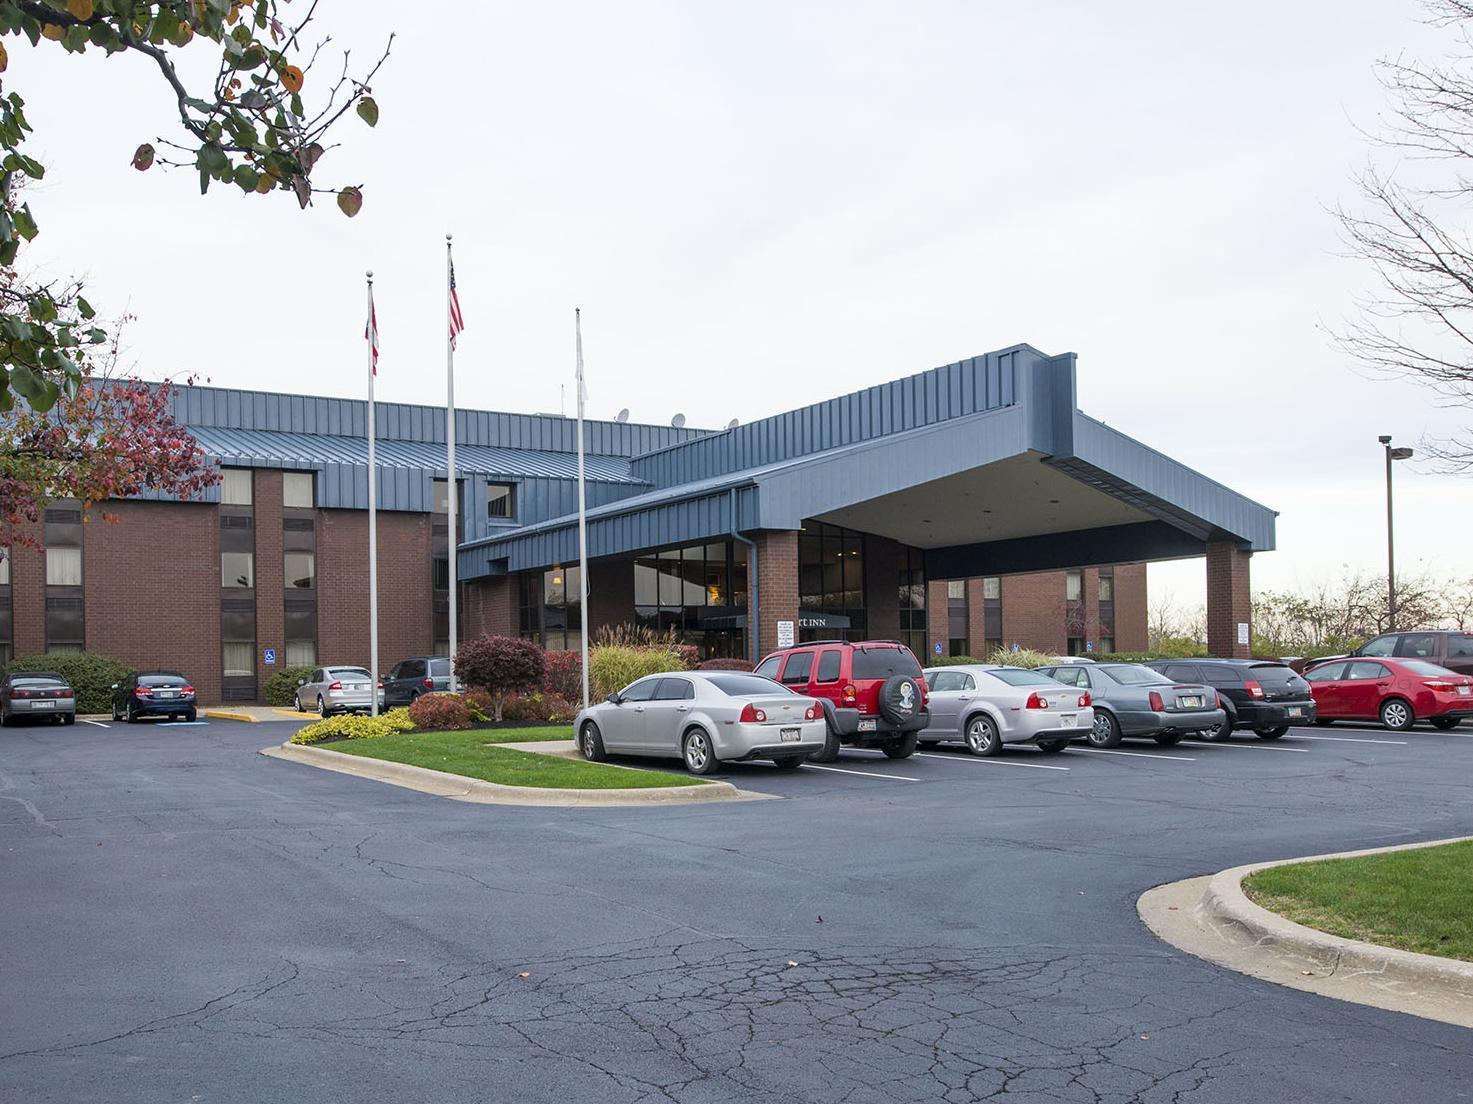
x=900, y=699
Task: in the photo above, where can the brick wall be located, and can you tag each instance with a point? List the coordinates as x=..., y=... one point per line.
x=1130, y=608
x=938, y=630
x=610, y=593
x=270, y=576
x=490, y=607
x=405, y=609
x=882, y=588
x=1033, y=611
x=1229, y=601
x=151, y=583
x=777, y=584
x=976, y=619
x=28, y=596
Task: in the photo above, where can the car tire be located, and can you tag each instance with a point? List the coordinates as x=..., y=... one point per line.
x=190, y=716
x=591, y=743
x=789, y=762
x=901, y=747
x=830, y=750
x=1167, y=739
x=129, y=716
x=1324, y=722
x=1397, y=715
x=1446, y=724
x=322, y=710
x=698, y=753
x=1053, y=747
x=297, y=703
x=1271, y=733
x=982, y=737
x=116, y=715
x=1222, y=732
x=69, y=718
x=1105, y=733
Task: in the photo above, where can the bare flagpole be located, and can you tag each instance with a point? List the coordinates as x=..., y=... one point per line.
x=452, y=507
x=582, y=515
x=371, y=332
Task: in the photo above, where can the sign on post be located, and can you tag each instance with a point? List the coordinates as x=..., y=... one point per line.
x=1089, y=645
x=1243, y=633
x=938, y=649
x=785, y=637
x=268, y=657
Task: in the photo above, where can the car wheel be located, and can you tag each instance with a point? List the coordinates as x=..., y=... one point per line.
x=1271, y=733
x=69, y=718
x=1053, y=747
x=1105, y=732
x=1396, y=714
x=830, y=750
x=1168, y=739
x=116, y=715
x=190, y=716
x=699, y=755
x=1223, y=731
x=1446, y=724
x=322, y=710
x=789, y=762
x=901, y=747
x=297, y=703
x=130, y=716
x=591, y=743
x=982, y=737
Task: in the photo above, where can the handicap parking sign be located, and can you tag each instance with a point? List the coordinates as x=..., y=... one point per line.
x=269, y=657
x=938, y=649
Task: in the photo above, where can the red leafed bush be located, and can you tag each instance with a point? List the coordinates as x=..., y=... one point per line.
x=688, y=654
x=501, y=666
x=726, y=665
x=564, y=677
x=439, y=711
x=479, y=702
x=538, y=709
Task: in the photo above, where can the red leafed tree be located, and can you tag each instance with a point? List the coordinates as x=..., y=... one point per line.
x=111, y=439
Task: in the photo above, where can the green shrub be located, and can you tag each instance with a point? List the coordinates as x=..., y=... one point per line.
x=90, y=675
x=355, y=728
x=281, y=687
x=720, y=664
x=614, y=666
x=1024, y=657
x=951, y=661
x=440, y=712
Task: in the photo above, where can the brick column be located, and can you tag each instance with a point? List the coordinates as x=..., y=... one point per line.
x=610, y=594
x=938, y=625
x=1229, y=600
x=976, y=619
x=1130, y=608
x=270, y=578
x=28, y=596
x=491, y=607
x=882, y=588
x=776, y=584
x=1090, y=582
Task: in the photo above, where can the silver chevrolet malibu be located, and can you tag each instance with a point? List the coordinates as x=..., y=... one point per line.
x=705, y=718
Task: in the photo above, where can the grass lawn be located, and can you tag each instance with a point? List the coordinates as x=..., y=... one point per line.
x=1419, y=900
x=467, y=753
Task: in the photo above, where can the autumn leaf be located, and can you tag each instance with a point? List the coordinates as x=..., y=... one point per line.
x=80, y=9
x=143, y=157
x=350, y=201
x=368, y=110
x=291, y=79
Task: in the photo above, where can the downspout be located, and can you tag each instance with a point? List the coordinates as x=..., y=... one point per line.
x=754, y=620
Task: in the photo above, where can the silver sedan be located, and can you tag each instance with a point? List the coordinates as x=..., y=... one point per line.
x=986, y=706
x=330, y=690
x=705, y=718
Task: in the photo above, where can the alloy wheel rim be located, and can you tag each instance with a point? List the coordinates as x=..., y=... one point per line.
x=695, y=752
x=1396, y=714
x=1100, y=731
x=588, y=741
x=977, y=735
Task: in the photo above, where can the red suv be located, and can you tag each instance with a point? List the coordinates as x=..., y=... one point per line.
x=873, y=693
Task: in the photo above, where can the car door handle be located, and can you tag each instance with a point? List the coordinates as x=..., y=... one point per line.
x=964, y=697
x=639, y=709
x=682, y=709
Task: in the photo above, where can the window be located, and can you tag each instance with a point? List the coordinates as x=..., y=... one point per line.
x=828, y=665
x=882, y=663
x=799, y=664
x=992, y=588
x=5, y=567
x=831, y=599
x=1381, y=646
x=301, y=653
x=643, y=690
x=957, y=617
x=501, y=500
x=1329, y=672
x=237, y=569
x=674, y=689
x=1016, y=676
x=951, y=680
x=1069, y=676
x=301, y=570
x=1107, y=586
x=1214, y=675
x=1362, y=670
x=1107, y=645
x=956, y=589
x=235, y=486
x=239, y=659
x=1418, y=646
x=1131, y=675
x=699, y=593
x=1073, y=586
x=1075, y=646
x=913, y=600
x=1458, y=644
x=740, y=685
x=64, y=622
x=63, y=567
x=1183, y=672
x=1428, y=670
x=769, y=666
x=297, y=489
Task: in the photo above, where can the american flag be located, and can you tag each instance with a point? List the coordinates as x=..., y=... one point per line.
x=456, y=322
x=370, y=331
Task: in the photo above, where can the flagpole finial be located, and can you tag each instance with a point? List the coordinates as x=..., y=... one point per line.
x=369, y=274
x=447, y=237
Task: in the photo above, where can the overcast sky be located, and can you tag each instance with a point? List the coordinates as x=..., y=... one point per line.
x=764, y=205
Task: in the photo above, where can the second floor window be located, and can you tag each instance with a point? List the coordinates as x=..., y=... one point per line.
x=501, y=500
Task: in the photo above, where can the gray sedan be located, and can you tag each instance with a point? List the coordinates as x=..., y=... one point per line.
x=705, y=718
x=986, y=706
x=36, y=696
x=1132, y=700
x=330, y=690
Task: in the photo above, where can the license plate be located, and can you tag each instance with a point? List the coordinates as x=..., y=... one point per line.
x=164, y=693
x=1189, y=703
x=866, y=726
x=790, y=735
x=1295, y=711
x=1465, y=690
x=1066, y=720
x=357, y=686
x=43, y=705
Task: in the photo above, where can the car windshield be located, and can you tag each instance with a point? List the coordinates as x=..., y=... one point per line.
x=1017, y=676
x=1422, y=667
x=1128, y=674
x=883, y=663
x=1275, y=676
x=738, y=684
x=50, y=681
x=347, y=672
x=160, y=680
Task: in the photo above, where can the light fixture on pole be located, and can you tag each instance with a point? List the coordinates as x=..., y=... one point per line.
x=1391, y=455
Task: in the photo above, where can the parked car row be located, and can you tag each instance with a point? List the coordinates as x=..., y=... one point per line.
x=330, y=690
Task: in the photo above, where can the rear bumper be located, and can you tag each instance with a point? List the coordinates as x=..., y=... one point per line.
x=343, y=701
x=162, y=708
x=1033, y=725
x=1276, y=714
x=57, y=707
x=763, y=741
x=1154, y=723
x=846, y=724
x=1461, y=711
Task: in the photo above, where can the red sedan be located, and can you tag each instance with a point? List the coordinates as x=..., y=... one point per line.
x=1398, y=692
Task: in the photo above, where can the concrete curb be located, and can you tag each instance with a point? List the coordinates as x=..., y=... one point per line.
x=460, y=788
x=229, y=715
x=1212, y=918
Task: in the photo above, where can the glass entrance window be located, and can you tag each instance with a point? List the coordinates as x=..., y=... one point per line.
x=698, y=592
x=913, y=600
x=830, y=583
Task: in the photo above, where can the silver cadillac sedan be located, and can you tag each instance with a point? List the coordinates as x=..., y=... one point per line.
x=986, y=706
x=705, y=718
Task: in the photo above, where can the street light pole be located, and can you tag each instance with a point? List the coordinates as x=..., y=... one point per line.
x=1391, y=454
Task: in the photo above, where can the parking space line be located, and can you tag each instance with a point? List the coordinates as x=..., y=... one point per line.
x=1350, y=740
x=862, y=774
x=1137, y=754
x=99, y=724
x=1247, y=747
x=984, y=759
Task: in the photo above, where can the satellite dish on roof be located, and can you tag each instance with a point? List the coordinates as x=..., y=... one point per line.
x=622, y=416
x=732, y=424
x=678, y=421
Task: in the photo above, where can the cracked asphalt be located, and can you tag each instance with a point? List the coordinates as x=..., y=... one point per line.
x=185, y=920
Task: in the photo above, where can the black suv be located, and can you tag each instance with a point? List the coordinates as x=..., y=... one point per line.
x=1259, y=694
x=415, y=676
x=153, y=694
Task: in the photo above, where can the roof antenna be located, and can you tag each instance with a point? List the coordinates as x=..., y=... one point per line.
x=562, y=400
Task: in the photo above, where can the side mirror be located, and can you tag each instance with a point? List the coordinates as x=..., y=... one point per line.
x=301, y=682
x=614, y=698
x=115, y=686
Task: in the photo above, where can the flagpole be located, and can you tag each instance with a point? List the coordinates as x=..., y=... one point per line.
x=582, y=518
x=372, y=335
x=452, y=509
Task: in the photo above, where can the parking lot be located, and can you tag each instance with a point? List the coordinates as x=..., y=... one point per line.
x=186, y=919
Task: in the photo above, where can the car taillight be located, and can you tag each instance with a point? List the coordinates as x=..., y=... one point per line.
x=1156, y=703
x=1439, y=684
x=1219, y=699
x=850, y=693
x=380, y=684
x=141, y=692
x=186, y=689
x=336, y=685
x=19, y=694
x=1253, y=688
x=812, y=713
x=1083, y=701
x=1036, y=701
x=752, y=715
x=429, y=683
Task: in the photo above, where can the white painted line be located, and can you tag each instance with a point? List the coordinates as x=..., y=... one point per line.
x=1246, y=747
x=984, y=759
x=99, y=724
x=862, y=774
x=1137, y=754
x=1349, y=740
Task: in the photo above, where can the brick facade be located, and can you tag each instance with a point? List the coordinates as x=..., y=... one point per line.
x=28, y=597
x=405, y=610
x=777, y=584
x=489, y=607
x=1033, y=611
x=1229, y=600
x=1130, y=608
x=270, y=576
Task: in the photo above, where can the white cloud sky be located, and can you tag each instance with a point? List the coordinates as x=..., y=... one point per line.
x=765, y=205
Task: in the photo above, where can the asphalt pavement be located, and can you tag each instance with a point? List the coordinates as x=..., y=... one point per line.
x=185, y=920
